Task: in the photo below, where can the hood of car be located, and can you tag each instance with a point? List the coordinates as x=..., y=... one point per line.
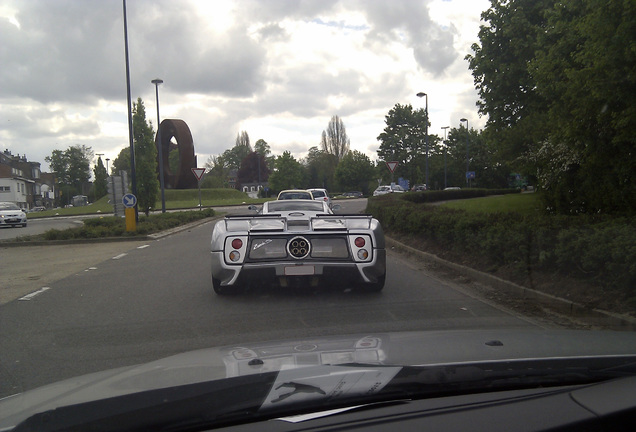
x=300, y=355
x=11, y=213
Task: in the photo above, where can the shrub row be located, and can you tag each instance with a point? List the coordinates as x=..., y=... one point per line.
x=600, y=249
x=111, y=226
x=445, y=195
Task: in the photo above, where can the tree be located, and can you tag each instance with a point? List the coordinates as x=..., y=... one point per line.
x=253, y=169
x=261, y=147
x=335, y=140
x=403, y=139
x=72, y=169
x=234, y=156
x=508, y=96
x=122, y=162
x=216, y=173
x=289, y=173
x=321, y=167
x=558, y=82
x=100, y=183
x=355, y=171
x=145, y=159
x=586, y=70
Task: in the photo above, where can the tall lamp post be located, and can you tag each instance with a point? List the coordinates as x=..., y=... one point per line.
x=422, y=94
x=156, y=82
x=466, y=120
x=107, y=172
x=445, y=145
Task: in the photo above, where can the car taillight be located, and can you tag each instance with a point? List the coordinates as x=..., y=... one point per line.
x=359, y=242
x=237, y=243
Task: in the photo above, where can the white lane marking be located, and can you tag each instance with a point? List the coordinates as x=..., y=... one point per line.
x=121, y=255
x=33, y=294
x=142, y=247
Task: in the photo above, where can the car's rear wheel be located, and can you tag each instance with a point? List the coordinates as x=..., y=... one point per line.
x=376, y=286
x=224, y=290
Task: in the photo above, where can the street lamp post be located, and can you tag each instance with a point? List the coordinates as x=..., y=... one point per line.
x=466, y=120
x=422, y=94
x=107, y=172
x=156, y=82
x=445, y=145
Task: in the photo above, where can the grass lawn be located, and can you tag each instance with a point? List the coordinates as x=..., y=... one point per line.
x=175, y=199
x=523, y=203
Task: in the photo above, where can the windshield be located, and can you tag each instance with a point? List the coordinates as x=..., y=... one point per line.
x=294, y=195
x=8, y=206
x=275, y=206
x=226, y=189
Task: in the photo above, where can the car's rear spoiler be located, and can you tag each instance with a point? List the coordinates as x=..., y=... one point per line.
x=276, y=222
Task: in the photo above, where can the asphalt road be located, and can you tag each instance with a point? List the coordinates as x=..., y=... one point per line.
x=153, y=299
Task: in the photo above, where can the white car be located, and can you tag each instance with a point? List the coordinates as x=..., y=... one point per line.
x=12, y=215
x=383, y=190
x=321, y=195
x=297, y=243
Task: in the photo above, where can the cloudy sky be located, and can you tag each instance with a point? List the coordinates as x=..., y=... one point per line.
x=277, y=69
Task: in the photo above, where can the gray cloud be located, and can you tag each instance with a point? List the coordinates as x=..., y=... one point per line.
x=63, y=71
x=410, y=21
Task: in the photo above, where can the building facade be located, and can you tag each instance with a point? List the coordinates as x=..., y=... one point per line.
x=21, y=182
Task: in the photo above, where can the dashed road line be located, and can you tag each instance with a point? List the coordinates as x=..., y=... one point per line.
x=142, y=246
x=33, y=294
x=121, y=255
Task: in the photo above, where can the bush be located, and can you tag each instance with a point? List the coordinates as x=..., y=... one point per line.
x=116, y=227
x=446, y=195
x=597, y=248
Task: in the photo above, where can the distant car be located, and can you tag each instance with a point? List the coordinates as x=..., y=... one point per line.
x=295, y=194
x=38, y=209
x=353, y=194
x=453, y=188
x=321, y=195
x=419, y=188
x=383, y=190
x=12, y=215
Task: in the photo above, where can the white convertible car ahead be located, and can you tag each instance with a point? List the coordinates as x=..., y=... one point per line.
x=297, y=243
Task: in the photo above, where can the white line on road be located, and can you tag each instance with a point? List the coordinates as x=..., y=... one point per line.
x=33, y=294
x=143, y=247
x=121, y=255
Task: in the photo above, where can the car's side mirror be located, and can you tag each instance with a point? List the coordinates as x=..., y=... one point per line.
x=336, y=207
x=252, y=207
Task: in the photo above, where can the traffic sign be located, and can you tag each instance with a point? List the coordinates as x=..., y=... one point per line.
x=470, y=174
x=129, y=200
x=392, y=165
x=198, y=173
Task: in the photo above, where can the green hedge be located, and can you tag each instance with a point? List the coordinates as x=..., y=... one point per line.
x=446, y=195
x=111, y=226
x=600, y=249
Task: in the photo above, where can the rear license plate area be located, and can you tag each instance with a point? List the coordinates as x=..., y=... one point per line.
x=304, y=270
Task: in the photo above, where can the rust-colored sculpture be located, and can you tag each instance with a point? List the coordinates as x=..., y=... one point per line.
x=179, y=130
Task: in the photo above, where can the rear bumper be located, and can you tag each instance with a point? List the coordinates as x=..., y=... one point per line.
x=279, y=272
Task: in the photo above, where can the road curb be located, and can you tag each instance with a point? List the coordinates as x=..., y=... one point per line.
x=559, y=305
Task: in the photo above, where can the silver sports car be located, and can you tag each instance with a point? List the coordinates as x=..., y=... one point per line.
x=297, y=243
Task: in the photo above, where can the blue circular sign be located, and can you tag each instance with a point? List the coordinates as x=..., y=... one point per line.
x=129, y=200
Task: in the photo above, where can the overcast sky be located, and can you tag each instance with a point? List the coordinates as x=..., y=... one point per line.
x=277, y=69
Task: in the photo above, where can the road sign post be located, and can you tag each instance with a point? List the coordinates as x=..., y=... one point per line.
x=198, y=173
x=129, y=200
